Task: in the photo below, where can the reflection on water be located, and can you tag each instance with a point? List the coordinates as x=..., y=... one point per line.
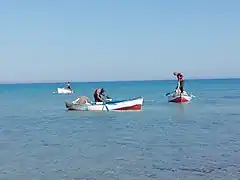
x=180, y=109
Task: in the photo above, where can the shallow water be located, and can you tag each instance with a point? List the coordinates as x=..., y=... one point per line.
x=41, y=140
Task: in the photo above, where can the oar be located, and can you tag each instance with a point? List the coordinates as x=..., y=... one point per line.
x=192, y=96
x=104, y=103
x=167, y=94
x=178, y=87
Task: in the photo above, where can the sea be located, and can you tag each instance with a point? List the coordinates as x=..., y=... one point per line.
x=41, y=140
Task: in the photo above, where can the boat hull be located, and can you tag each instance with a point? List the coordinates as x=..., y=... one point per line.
x=123, y=105
x=64, y=91
x=179, y=98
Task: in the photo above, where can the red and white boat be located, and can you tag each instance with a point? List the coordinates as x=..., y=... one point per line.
x=179, y=97
x=133, y=104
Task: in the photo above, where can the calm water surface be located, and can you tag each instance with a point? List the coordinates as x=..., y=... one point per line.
x=39, y=139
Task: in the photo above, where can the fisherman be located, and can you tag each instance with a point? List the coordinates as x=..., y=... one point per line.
x=68, y=86
x=180, y=81
x=98, y=93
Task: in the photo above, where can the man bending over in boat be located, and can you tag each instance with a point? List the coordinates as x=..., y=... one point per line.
x=180, y=81
x=68, y=86
x=98, y=93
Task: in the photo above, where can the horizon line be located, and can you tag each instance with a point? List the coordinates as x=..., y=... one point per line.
x=144, y=80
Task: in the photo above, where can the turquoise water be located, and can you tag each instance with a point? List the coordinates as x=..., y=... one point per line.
x=41, y=140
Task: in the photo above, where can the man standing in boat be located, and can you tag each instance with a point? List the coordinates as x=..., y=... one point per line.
x=68, y=86
x=98, y=93
x=180, y=81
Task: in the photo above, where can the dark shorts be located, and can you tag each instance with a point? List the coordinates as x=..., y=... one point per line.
x=181, y=84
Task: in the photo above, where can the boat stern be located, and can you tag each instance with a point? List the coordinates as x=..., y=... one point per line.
x=134, y=104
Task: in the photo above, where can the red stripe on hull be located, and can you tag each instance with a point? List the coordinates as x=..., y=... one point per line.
x=179, y=100
x=134, y=107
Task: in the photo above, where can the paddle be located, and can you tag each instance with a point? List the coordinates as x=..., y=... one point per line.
x=104, y=103
x=167, y=94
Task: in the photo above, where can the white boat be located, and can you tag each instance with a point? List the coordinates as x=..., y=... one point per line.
x=112, y=105
x=64, y=91
x=178, y=97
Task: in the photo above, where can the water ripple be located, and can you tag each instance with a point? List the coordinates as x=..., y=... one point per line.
x=200, y=140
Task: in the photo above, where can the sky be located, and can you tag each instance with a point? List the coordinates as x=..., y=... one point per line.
x=106, y=40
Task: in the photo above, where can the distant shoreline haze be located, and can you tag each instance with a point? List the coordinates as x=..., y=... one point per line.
x=112, y=81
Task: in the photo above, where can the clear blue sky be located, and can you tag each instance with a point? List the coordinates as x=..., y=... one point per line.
x=96, y=40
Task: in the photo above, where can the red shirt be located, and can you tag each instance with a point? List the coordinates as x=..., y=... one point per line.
x=180, y=77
